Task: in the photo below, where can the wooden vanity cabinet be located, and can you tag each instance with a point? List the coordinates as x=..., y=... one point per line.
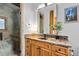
x=41, y=48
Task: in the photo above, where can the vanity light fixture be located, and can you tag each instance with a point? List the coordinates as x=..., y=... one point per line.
x=44, y=5
x=49, y=3
x=41, y=6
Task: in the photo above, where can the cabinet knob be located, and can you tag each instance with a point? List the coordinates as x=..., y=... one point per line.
x=38, y=48
x=59, y=49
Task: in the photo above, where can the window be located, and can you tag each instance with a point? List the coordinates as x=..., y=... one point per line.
x=2, y=23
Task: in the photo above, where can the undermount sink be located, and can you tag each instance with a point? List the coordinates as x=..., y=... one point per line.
x=42, y=38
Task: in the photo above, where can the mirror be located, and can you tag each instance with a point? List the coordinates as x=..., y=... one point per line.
x=47, y=15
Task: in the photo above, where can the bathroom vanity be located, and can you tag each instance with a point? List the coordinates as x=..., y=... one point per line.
x=35, y=46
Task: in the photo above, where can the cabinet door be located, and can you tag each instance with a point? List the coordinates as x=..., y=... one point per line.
x=28, y=50
x=53, y=53
x=28, y=47
x=34, y=50
x=45, y=52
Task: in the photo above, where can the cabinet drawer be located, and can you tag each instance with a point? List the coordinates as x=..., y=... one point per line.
x=45, y=45
x=45, y=52
x=60, y=49
x=58, y=54
x=41, y=44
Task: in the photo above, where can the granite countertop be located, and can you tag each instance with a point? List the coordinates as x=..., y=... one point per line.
x=68, y=45
x=52, y=36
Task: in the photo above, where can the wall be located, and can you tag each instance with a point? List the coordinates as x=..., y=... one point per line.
x=28, y=22
x=6, y=11
x=70, y=29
